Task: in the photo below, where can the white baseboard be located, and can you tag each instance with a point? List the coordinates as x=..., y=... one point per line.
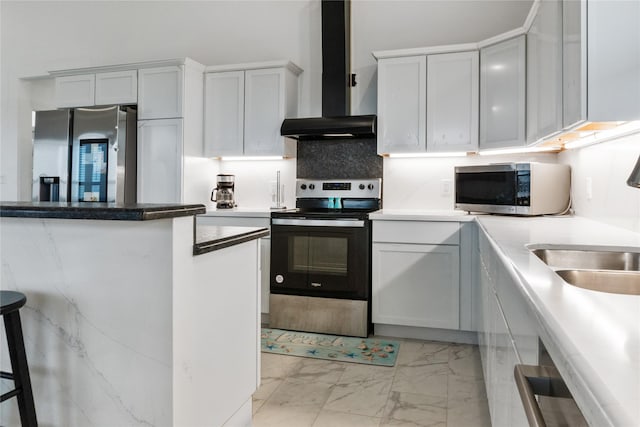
x=428, y=334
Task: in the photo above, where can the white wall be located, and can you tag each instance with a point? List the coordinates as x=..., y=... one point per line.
x=417, y=183
x=36, y=37
x=608, y=166
x=254, y=179
x=402, y=24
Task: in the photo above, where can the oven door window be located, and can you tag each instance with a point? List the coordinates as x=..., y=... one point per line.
x=319, y=255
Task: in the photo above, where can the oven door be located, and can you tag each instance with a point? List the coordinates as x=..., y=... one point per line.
x=320, y=257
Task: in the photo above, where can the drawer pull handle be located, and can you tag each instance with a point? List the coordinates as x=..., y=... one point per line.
x=538, y=380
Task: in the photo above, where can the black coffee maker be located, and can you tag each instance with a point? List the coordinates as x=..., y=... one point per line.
x=223, y=193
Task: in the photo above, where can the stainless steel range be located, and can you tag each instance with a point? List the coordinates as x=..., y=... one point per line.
x=321, y=258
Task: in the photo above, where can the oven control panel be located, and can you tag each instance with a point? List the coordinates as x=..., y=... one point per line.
x=351, y=188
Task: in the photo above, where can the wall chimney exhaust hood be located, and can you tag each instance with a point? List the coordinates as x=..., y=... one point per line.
x=336, y=121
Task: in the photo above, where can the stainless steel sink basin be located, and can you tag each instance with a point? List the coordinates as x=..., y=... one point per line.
x=573, y=258
x=617, y=282
x=598, y=268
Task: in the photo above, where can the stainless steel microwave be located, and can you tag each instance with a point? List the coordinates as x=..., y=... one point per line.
x=513, y=188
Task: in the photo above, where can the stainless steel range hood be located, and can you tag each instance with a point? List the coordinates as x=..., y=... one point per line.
x=336, y=121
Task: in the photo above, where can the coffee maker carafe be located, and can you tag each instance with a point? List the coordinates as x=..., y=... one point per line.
x=223, y=193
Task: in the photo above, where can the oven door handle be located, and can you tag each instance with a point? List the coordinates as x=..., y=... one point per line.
x=319, y=222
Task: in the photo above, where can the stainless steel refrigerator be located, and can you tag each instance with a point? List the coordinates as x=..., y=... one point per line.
x=85, y=155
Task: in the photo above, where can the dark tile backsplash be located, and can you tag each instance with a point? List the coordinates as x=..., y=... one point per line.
x=338, y=159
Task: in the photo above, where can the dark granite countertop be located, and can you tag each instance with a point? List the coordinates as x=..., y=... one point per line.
x=92, y=210
x=207, y=238
x=210, y=238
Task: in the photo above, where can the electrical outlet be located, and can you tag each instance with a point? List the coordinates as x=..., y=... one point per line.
x=589, y=188
x=446, y=187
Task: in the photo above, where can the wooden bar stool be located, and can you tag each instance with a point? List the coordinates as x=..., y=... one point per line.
x=10, y=303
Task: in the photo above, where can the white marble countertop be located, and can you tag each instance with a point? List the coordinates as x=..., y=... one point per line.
x=596, y=334
x=420, y=215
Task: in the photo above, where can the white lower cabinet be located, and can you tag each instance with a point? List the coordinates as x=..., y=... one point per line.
x=416, y=274
x=506, y=336
x=264, y=246
x=416, y=285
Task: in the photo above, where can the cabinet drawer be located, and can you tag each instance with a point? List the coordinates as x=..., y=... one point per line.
x=234, y=221
x=436, y=232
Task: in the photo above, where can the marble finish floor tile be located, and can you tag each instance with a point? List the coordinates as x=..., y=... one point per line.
x=361, y=397
x=432, y=384
x=416, y=409
x=328, y=418
x=430, y=379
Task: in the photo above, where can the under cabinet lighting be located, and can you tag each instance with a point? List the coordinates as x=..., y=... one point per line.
x=420, y=155
x=596, y=136
x=243, y=158
x=522, y=150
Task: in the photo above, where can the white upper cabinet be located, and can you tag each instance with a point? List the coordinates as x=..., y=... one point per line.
x=544, y=72
x=574, y=63
x=264, y=111
x=224, y=114
x=75, y=91
x=502, y=94
x=402, y=103
x=604, y=35
x=452, y=102
x=245, y=106
x=428, y=103
x=85, y=90
x=160, y=92
x=118, y=87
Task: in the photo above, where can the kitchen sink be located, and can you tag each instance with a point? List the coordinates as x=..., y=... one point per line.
x=592, y=259
x=617, y=282
x=598, y=268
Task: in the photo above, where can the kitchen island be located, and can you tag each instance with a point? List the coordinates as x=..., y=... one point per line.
x=134, y=315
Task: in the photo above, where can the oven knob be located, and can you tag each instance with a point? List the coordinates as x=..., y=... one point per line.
x=361, y=186
x=312, y=186
x=279, y=279
x=303, y=187
x=370, y=186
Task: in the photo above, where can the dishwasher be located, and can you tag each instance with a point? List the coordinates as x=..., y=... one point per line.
x=546, y=399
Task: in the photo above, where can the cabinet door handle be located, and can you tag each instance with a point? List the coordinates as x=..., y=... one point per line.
x=540, y=380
